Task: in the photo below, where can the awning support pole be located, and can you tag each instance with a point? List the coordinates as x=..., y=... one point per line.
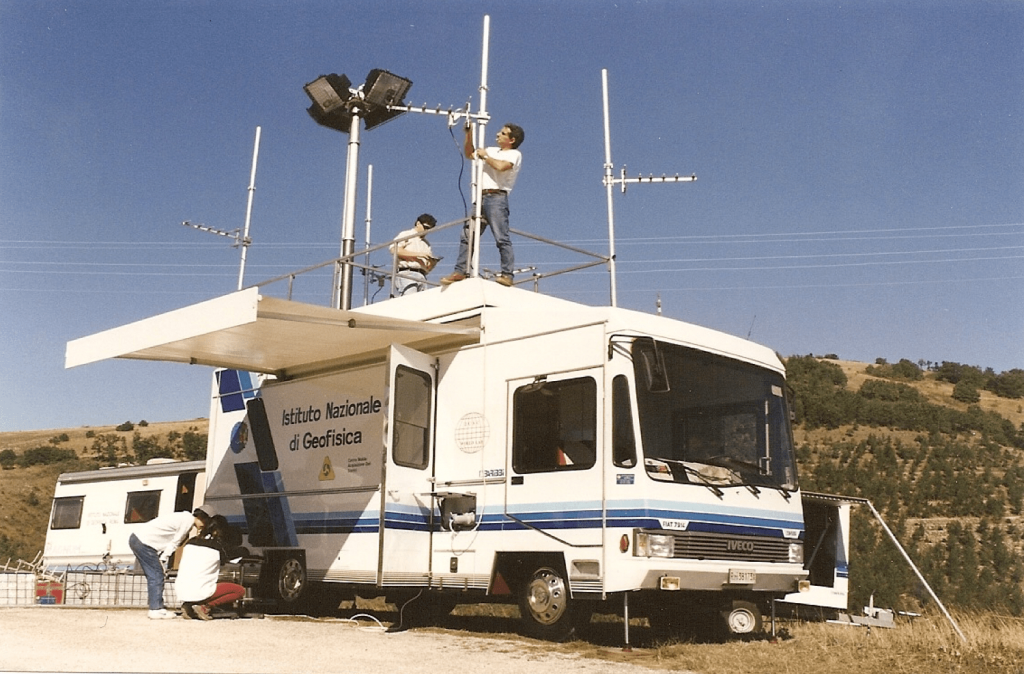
x=916, y=571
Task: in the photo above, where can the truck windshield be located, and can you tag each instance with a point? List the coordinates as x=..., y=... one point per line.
x=710, y=420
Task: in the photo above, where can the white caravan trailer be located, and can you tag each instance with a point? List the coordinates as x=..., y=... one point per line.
x=482, y=443
x=95, y=511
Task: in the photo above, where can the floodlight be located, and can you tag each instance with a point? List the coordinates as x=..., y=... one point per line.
x=383, y=88
x=329, y=92
x=330, y=95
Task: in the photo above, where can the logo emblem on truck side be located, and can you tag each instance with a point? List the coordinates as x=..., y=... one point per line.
x=327, y=470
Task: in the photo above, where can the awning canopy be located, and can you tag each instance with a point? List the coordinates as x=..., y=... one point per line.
x=247, y=331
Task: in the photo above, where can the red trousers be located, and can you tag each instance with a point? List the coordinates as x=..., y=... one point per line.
x=225, y=593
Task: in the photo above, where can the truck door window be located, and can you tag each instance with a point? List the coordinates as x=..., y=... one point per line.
x=67, y=512
x=623, y=439
x=141, y=506
x=410, y=443
x=555, y=426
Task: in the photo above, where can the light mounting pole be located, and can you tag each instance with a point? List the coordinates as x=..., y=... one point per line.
x=338, y=106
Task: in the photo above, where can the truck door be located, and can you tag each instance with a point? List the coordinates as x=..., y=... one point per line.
x=406, y=502
x=554, y=456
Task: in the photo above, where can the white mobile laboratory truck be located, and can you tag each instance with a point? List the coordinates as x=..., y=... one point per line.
x=482, y=443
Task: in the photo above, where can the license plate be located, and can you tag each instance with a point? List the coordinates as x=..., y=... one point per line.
x=742, y=576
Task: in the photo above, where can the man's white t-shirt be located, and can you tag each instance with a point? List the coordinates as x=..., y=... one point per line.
x=416, y=246
x=501, y=180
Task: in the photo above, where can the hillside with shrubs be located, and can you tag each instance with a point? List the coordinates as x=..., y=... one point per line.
x=31, y=461
x=939, y=451
x=938, y=448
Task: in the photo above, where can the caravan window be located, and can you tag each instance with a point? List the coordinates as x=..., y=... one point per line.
x=67, y=512
x=410, y=444
x=555, y=426
x=142, y=506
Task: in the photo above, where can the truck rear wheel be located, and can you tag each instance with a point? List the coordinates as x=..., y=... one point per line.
x=291, y=588
x=545, y=606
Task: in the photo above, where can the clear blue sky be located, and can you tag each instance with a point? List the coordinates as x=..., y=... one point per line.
x=860, y=168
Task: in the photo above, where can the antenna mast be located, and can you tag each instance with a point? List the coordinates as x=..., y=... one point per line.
x=478, y=164
x=241, y=237
x=609, y=182
x=248, y=207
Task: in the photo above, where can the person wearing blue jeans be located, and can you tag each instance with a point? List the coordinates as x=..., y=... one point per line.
x=153, y=545
x=501, y=168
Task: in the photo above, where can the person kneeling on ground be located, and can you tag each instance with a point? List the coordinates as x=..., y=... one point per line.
x=196, y=586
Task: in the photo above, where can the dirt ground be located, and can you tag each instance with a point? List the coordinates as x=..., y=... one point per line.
x=67, y=639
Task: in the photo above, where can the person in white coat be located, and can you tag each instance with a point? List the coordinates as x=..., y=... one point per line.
x=154, y=544
x=197, y=583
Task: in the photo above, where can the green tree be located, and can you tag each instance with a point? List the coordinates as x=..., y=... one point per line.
x=193, y=445
x=45, y=455
x=966, y=392
x=1008, y=384
x=109, y=449
x=146, y=448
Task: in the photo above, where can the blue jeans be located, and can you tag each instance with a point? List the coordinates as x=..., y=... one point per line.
x=494, y=209
x=149, y=560
x=409, y=281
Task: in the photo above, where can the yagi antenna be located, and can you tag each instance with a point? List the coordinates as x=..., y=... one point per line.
x=610, y=182
x=241, y=237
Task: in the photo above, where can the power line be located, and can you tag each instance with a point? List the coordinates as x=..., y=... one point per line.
x=699, y=238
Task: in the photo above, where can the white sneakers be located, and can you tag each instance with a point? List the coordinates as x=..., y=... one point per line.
x=160, y=614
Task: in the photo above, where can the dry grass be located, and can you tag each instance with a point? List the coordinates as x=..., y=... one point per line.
x=79, y=441
x=995, y=645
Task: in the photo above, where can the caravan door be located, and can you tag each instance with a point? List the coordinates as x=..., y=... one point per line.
x=554, y=456
x=407, y=505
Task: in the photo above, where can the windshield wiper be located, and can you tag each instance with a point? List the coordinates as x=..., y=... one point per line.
x=691, y=471
x=734, y=466
x=727, y=462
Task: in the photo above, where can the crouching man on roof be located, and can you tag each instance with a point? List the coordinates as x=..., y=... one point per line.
x=196, y=586
x=415, y=257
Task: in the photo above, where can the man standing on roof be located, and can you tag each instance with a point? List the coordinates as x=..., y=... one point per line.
x=415, y=258
x=501, y=167
x=153, y=545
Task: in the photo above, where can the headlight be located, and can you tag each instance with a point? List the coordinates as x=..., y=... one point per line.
x=654, y=545
x=796, y=553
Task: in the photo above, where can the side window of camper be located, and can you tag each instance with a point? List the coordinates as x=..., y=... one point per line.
x=67, y=512
x=141, y=506
x=410, y=444
x=555, y=426
x=623, y=438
